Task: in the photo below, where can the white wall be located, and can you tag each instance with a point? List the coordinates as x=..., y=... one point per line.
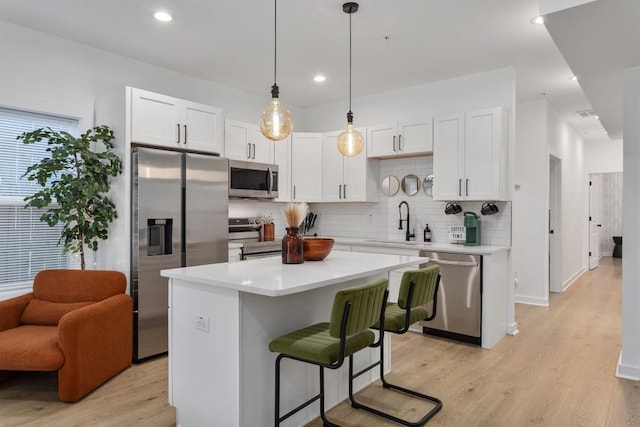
x=541, y=132
x=49, y=74
x=603, y=156
x=629, y=363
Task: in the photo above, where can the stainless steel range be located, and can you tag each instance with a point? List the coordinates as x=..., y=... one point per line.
x=248, y=232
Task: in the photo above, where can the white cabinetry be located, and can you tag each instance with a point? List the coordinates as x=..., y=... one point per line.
x=400, y=139
x=282, y=158
x=306, y=167
x=244, y=141
x=347, y=179
x=470, y=156
x=162, y=120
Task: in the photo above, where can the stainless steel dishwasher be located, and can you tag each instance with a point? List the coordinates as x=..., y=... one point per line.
x=459, y=310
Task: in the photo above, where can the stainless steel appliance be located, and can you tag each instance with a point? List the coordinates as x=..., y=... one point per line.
x=178, y=213
x=459, y=313
x=247, y=231
x=253, y=180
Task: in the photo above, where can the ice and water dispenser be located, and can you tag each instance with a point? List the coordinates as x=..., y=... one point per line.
x=160, y=236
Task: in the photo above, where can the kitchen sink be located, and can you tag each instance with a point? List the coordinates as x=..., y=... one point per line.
x=396, y=242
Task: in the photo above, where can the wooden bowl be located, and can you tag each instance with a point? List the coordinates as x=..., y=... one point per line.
x=316, y=248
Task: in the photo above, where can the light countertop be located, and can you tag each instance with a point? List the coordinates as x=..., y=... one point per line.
x=268, y=276
x=424, y=246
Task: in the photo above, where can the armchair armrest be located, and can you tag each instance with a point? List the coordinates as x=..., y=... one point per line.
x=97, y=342
x=11, y=310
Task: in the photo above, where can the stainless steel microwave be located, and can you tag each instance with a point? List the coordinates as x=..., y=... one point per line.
x=253, y=180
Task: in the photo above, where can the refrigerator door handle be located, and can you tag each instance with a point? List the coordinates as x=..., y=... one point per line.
x=459, y=263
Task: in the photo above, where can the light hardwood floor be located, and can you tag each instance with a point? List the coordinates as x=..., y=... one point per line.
x=558, y=371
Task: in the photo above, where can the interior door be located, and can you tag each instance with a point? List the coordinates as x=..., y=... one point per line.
x=595, y=220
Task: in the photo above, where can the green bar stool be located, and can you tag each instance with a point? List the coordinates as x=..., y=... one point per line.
x=417, y=288
x=355, y=311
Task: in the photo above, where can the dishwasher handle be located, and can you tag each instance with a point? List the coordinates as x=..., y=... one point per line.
x=460, y=263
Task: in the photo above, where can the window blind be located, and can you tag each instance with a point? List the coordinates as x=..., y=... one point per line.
x=26, y=244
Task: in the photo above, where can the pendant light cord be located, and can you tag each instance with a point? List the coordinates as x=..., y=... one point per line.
x=275, y=40
x=350, y=62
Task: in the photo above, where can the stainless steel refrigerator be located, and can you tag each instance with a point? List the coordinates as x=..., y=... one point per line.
x=179, y=218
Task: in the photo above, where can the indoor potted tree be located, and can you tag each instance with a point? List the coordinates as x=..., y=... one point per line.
x=75, y=180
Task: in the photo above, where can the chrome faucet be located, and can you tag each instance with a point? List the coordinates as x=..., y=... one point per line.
x=408, y=234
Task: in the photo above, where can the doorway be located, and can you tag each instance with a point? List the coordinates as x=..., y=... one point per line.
x=555, y=232
x=595, y=219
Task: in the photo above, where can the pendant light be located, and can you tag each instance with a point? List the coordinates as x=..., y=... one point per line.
x=275, y=122
x=350, y=142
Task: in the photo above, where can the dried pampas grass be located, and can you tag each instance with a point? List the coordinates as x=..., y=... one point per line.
x=295, y=213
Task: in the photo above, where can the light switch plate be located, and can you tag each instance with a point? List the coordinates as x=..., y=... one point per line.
x=202, y=324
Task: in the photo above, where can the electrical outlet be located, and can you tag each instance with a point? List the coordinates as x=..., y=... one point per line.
x=202, y=324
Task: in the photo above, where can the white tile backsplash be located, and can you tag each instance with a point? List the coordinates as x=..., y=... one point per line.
x=380, y=220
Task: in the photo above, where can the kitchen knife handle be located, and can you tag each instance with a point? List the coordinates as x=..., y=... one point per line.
x=340, y=191
x=185, y=134
x=178, y=141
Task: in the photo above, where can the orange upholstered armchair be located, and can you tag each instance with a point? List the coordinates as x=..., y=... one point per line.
x=76, y=322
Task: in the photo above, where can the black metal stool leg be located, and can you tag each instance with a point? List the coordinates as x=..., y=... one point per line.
x=325, y=421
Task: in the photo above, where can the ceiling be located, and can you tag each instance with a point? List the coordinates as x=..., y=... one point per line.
x=599, y=40
x=395, y=44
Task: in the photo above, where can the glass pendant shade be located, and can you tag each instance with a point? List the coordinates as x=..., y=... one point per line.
x=350, y=142
x=275, y=122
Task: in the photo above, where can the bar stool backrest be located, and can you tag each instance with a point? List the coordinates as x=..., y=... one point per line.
x=366, y=306
x=425, y=280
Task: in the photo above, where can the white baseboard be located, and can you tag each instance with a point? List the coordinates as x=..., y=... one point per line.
x=573, y=278
x=627, y=372
x=522, y=299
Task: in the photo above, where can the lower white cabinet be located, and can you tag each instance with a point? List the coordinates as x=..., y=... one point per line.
x=347, y=179
x=244, y=141
x=306, y=167
x=165, y=121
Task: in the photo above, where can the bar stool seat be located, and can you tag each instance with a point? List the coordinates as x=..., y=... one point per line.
x=417, y=288
x=355, y=311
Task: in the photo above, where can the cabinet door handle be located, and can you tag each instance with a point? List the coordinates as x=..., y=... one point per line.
x=344, y=191
x=394, y=143
x=399, y=142
x=294, y=191
x=254, y=151
x=185, y=134
x=466, y=187
x=178, y=141
x=460, y=187
x=248, y=150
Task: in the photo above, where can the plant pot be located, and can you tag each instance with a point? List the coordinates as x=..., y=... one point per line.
x=268, y=232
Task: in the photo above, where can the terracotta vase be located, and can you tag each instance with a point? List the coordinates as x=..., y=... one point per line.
x=268, y=232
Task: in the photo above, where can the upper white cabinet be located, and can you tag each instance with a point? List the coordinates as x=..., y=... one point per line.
x=282, y=158
x=165, y=121
x=244, y=141
x=470, y=156
x=306, y=167
x=347, y=179
x=408, y=138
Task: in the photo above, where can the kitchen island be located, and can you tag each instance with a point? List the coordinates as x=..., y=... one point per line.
x=222, y=317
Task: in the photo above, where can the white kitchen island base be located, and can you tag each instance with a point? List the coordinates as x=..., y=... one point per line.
x=221, y=372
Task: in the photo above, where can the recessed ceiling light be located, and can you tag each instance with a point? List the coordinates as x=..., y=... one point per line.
x=574, y=78
x=163, y=16
x=319, y=78
x=537, y=20
x=596, y=117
